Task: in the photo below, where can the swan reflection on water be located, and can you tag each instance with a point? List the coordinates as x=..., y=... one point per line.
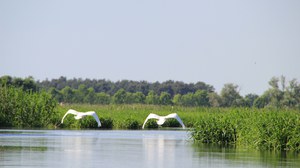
x=162, y=151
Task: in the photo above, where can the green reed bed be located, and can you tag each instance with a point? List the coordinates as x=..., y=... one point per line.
x=265, y=129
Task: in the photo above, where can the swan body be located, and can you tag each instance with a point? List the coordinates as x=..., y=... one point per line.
x=162, y=119
x=80, y=115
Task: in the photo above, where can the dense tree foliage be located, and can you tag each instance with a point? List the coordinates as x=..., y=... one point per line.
x=109, y=87
x=280, y=94
x=27, y=84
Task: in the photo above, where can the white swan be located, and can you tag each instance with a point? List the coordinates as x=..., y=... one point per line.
x=162, y=119
x=80, y=115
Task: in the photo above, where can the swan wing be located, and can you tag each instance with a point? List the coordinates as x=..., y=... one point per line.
x=70, y=111
x=176, y=116
x=150, y=116
x=96, y=118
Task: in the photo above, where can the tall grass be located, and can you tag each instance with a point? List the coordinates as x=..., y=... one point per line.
x=261, y=129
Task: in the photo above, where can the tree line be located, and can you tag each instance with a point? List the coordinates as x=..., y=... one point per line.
x=281, y=93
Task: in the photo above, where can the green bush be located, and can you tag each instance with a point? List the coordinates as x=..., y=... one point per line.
x=172, y=122
x=106, y=123
x=151, y=123
x=131, y=124
x=88, y=122
x=26, y=109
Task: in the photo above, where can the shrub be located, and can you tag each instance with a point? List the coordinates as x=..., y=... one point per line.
x=171, y=123
x=131, y=124
x=20, y=108
x=151, y=123
x=106, y=123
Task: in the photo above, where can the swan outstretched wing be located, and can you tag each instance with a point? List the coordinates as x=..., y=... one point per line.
x=175, y=115
x=150, y=116
x=92, y=113
x=70, y=111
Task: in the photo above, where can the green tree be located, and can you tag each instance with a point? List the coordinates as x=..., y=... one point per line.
x=201, y=98
x=230, y=95
x=129, y=98
x=249, y=99
x=291, y=96
x=80, y=93
x=167, y=87
x=262, y=100
x=102, y=98
x=165, y=98
x=56, y=94
x=275, y=92
x=203, y=86
x=29, y=84
x=120, y=96
x=214, y=99
x=188, y=100
x=90, y=96
x=152, y=98
x=177, y=99
x=68, y=94
x=18, y=82
x=139, y=97
x=6, y=81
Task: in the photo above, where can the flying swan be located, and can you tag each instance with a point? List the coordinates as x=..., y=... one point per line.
x=162, y=119
x=80, y=115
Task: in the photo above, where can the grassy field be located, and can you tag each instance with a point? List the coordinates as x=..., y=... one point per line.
x=266, y=129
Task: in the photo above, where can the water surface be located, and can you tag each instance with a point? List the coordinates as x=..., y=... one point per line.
x=125, y=149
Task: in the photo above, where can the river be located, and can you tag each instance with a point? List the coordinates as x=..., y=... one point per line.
x=126, y=149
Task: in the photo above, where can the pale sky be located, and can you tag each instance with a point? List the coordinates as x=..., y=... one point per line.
x=245, y=42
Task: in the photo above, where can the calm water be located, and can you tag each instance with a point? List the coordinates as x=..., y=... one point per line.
x=122, y=149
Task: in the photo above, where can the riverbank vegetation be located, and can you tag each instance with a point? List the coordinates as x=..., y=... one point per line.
x=26, y=109
x=273, y=125
x=264, y=129
x=268, y=129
